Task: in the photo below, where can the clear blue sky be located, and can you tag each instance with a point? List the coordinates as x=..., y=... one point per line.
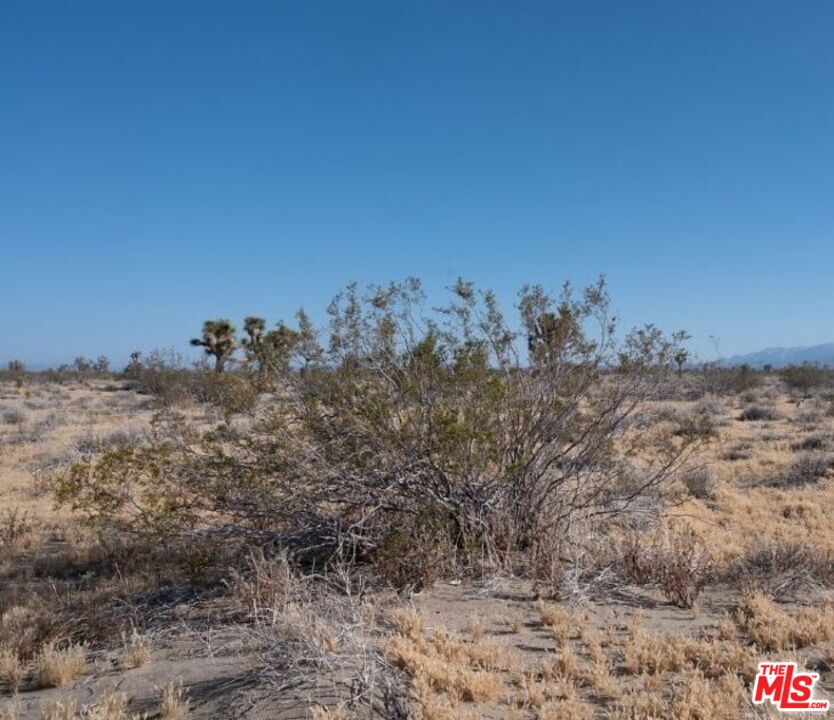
x=166, y=162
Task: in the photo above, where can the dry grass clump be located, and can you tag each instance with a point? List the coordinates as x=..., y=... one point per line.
x=774, y=629
x=323, y=713
x=408, y=621
x=515, y=622
x=112, y=706
x=562, y=622
x=566, y=710
x=55, y=667
x=174, y=704
x=12, y=670
x=651, y=653
x=430, y=668
x=477, y=627
x=66, y=710
x=10, y=711
x=693, y=697
x=136, y=651
x=698, y=698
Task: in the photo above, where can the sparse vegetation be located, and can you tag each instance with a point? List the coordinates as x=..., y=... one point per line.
x=507, y=482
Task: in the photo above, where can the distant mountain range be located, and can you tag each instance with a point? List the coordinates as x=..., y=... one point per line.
x=781, y=356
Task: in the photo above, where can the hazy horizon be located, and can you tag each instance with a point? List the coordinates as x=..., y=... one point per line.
x=166, y=164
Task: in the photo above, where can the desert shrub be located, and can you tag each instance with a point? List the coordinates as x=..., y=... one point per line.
x=14, y=416
x=709, y=405
x=166, y=376
x=804, y=378
x=812, y=442
x=16, y=530
x=232, y=394
x=671, y=558
x=802, y=563
x=757, y=413
x=719, y=380
x=163, y=374
x=810, y=414
x=809, y=467
x=697, y=426
x=406, y=411
x=739, y=451
x=418, y=553
x=701, y=482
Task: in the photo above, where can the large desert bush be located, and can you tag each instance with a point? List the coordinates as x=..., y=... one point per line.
x=446, y=432
x=804, y=378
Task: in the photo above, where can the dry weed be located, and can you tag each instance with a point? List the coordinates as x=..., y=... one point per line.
x=136, y=651
x=477, y=627
x=646, y=652
x=566, y=710
x=55, y=667
x=408, y=622
x=774, y=629
x=174, y=703
x=12, y=669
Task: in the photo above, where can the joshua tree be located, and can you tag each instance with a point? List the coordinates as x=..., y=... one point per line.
x=218, y=340
x=680, y=358
x=254, y=327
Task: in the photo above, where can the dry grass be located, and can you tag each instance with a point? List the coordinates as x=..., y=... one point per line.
x=174, y=704
x=136, y=651
x=477, y=627
x=12, y=670
x=408, y=622
x=771, y=628
x=566, y=710
x=760, y=514
x=55, y=666
x=653, y=653
x=113, y=706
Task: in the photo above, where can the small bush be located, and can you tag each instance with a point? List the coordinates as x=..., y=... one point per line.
x=809, y=467
x=813, y=442
x=698, y=426
x=701, y=482
x=414, y=555
x=729, y=381
x=740, y=451
x=14, y=416
x=758, y=413
x=673, y=559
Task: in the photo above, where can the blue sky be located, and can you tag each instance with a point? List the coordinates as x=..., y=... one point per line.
x=162, y=163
